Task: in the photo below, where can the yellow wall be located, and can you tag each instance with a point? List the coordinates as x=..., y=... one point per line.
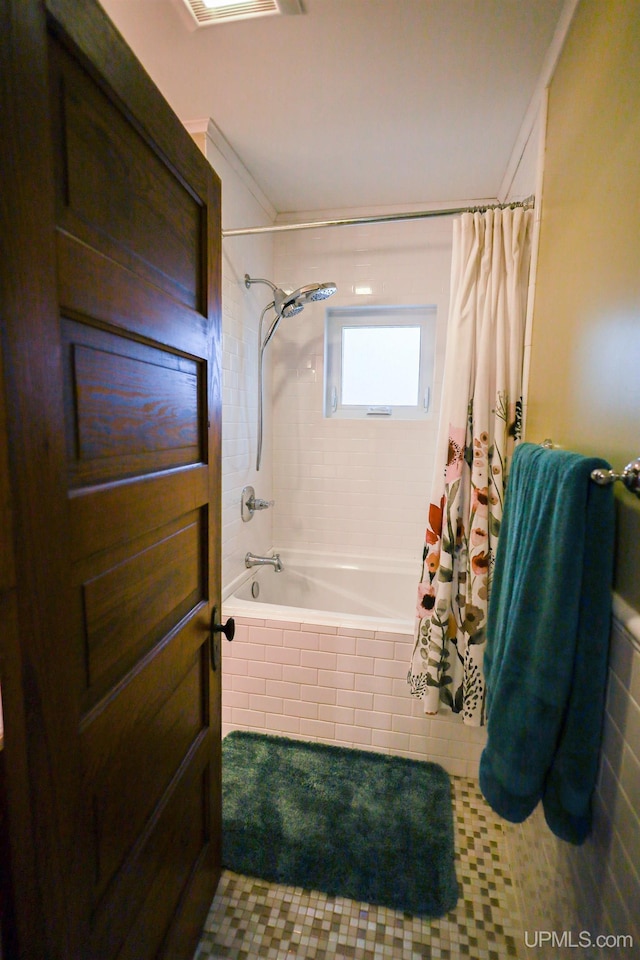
x=584, y=388
x=200, y=140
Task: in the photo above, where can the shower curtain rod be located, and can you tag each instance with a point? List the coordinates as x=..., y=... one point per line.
x=382, y=218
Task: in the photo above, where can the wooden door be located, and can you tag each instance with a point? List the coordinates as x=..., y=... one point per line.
x=111, y=343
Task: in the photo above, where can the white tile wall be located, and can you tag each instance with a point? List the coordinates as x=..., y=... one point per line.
x=353, y=486
x=242, y=205
x=339, y=686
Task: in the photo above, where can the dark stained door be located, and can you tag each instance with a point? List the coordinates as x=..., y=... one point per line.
x=111, y=286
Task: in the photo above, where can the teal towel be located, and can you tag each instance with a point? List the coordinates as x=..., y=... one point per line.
x=547, y=641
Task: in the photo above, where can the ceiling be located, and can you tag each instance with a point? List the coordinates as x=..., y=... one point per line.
x=355, y=103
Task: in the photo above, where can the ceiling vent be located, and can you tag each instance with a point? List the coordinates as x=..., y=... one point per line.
x=206, y=12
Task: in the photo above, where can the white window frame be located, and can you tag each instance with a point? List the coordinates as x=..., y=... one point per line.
x=337, y=318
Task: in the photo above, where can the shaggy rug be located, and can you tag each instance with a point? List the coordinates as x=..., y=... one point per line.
x=350, y=823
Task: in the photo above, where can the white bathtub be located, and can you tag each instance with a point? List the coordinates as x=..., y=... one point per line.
x=358, y=593
x=323, y=654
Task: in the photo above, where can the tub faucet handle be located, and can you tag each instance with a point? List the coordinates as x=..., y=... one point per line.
x=251, y=503
x=260, y=504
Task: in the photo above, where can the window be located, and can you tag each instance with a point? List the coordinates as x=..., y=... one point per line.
x=379, y=362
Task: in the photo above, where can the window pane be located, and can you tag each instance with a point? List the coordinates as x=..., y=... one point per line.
x=380, y=365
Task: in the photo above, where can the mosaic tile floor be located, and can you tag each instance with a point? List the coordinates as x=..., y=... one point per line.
x=252, y=919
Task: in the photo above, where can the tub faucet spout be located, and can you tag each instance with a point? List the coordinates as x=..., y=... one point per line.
x=274, y=561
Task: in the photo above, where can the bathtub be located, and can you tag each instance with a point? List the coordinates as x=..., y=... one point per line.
x=322, y=653
x=365, y=594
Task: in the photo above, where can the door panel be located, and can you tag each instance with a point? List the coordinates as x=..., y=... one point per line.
x=113, y=190
x=91, y=511
x=131, y=408
x=151, y=589
x=134, y=748
x=123, y=744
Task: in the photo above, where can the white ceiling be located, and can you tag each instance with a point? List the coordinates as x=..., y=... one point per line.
x=356, y=103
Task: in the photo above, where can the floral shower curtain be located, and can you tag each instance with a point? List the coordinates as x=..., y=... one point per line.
x=480, y=422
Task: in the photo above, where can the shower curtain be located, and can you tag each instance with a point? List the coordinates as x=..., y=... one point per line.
x=480, y=421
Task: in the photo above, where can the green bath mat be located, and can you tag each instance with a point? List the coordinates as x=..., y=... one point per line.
x=349, y=823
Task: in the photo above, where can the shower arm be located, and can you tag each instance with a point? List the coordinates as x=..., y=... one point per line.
x=249, y=280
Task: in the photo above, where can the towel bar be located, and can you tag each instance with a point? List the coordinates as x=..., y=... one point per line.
x=630, y=476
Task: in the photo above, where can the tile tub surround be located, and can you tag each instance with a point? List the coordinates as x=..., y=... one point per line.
x=337, y=685
x=355, y=486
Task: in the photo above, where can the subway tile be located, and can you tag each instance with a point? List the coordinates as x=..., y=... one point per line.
x=242, y=631
x=394, y=669
x=463, y=750
x=374, y=719
x=335, y=679
x=447, y=729
x=354, y=664
x=321, y=628
x=610, y=898
x=390, y=740
x=247, y=651
x=418, y=726
x=396, y=706
x=318, y=694
x=625, y=871
x=265, y=636
x=629, y=779
x=434, y=746
x=249, y=685
x=360, y=634
x=234, y=698
x=268, y=704
x=348, y=733
x=338, y=644
x=317, y=728
x=455, y=768
x=283, y=724
x=248, y=718
x=303, y=639
x=336, y=714
x=234, y=665
x=249, y=622
x=612, y=744
x=621, y=656
x=268, y=671
x=383, y=649
x=634, y=686
x=371, y=684
x=284, y=655
x=626, y=824
x=301, y=674
x=301, y=708
x=286, y=690
x=285, y=624
x=354, y=698
x=404, y=649
x=473, y=770
x=319, y=659
x=607, y=787
x=625, y=713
